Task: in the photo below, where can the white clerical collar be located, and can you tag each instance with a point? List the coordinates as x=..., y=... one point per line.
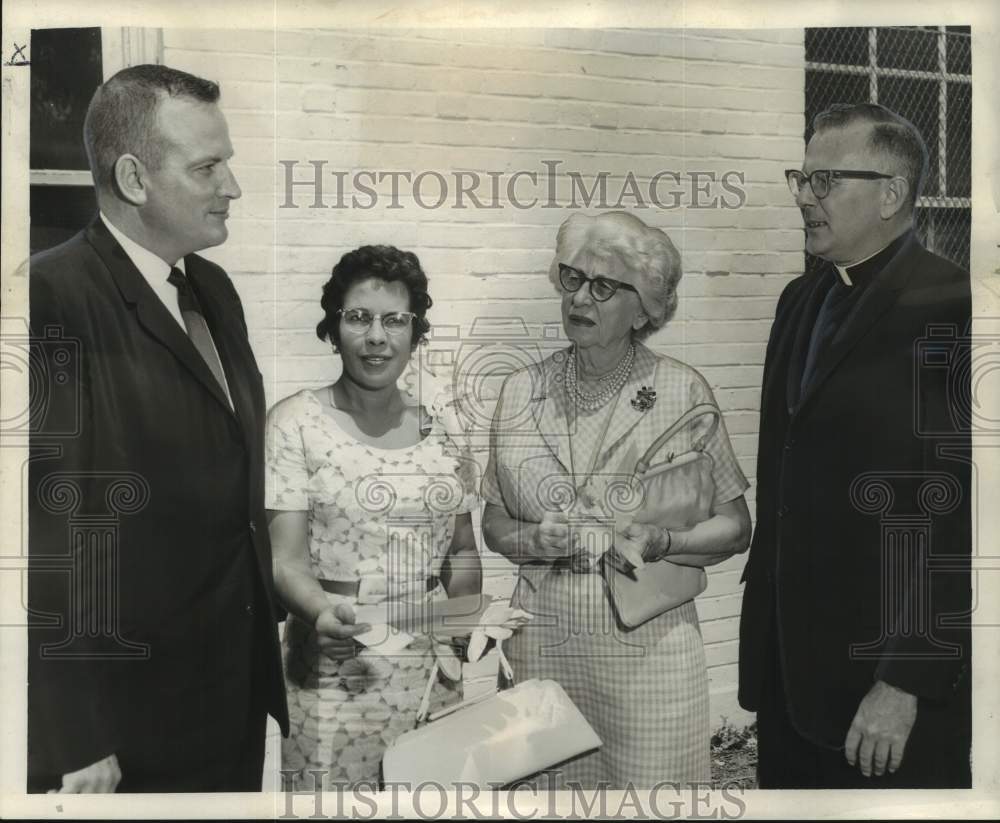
x=842, y=270
x=153, y=267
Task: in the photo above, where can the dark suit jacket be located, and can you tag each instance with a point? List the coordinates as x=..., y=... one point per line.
x=851, y=486
x=154, y=636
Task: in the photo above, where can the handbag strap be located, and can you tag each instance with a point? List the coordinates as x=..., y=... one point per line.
x=642, y=464
x=423, y=711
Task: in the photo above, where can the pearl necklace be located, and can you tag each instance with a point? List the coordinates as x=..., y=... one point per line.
x=614, y=381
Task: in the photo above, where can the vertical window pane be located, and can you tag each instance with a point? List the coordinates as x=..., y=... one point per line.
x=846, y=46
x=59, y=212
x=60, y=96
x=907, y=49
x=946, y=232
x=958, y=153
x=824, y=88
x=959, y=59
x=917, y=101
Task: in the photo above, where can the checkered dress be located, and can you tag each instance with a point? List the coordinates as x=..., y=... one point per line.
x=645, y=690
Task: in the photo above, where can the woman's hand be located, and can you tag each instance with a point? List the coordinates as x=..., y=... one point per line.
x=712, y=541
x=655, y=542
x=335, y=629
x=550, y=540
x=638, y=544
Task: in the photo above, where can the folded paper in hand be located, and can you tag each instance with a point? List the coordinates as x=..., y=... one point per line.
x=394, y=623
x=591, y=528
x=381, y=637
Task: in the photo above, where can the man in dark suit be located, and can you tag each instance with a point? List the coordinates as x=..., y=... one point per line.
x=154, y=653
x=854, y=646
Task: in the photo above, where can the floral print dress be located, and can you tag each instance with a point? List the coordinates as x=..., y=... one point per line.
x=383, y=514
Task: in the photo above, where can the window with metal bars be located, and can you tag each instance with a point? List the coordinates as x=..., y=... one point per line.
x=67, y=66
x=924, y=74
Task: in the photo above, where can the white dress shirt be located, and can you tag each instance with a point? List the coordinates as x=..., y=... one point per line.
x=155, y=272
x=153, y=269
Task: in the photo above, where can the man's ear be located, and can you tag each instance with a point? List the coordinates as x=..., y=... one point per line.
x=894, y=197
x=130, y=179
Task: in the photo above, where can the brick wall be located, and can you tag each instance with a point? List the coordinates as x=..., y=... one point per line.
x=609, y=103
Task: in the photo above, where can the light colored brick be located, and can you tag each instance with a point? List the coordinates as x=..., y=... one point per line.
x=575, y=39
x=724, y=284
x=499, y=35
x=312, y=371
x=621, y=101
x=722, y=583
x=259, y=96
x=719, y=377
x=256, y=124
x=703, y=356
x=221, y=65
x=720, y=630
x=723, y=653
x=228, y=41
x=727, y=308
x=716, y=48
x=701, y=73
x=738, y=399
x=715, y=608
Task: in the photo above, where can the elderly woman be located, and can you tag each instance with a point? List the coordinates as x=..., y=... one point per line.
x=590, y=410
x=352, y=519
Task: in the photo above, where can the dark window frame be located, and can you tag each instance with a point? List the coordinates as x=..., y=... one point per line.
x=941, y=206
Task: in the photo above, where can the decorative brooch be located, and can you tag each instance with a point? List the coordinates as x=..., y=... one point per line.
x=644, y=399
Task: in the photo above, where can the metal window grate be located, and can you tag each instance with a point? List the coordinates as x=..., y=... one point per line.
x=924, y=74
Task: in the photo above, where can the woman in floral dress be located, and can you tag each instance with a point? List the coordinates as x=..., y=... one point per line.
x=369, y=497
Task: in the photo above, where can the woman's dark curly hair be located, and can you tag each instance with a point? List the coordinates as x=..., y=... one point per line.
x=383, y=263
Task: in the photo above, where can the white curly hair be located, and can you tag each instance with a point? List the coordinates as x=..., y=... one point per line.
x=652, y=262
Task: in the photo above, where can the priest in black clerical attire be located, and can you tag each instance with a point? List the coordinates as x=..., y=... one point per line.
x=854, y=640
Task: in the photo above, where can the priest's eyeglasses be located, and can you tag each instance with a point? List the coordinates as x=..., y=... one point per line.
x=819, y=180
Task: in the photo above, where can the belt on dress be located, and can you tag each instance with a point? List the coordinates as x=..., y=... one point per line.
x=350, y=588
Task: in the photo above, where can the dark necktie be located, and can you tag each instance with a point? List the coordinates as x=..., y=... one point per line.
x=197, y=328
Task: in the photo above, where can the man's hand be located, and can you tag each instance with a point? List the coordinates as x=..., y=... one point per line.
x=880, y=729
x=335, y=628
x=101, y=777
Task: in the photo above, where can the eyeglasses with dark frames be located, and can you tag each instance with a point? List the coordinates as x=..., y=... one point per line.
x=819, y=180
x=601, y=288
x=359, y=321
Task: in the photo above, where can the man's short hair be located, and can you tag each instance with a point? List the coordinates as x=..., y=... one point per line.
x=891, y=135
x=121, y=118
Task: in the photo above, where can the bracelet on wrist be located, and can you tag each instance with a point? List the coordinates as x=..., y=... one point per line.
x=665, y=532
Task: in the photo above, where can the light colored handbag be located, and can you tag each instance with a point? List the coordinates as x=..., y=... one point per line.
x=491, y=740
x=676, y=493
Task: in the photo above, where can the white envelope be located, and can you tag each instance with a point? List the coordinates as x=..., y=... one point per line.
x=511, y=735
